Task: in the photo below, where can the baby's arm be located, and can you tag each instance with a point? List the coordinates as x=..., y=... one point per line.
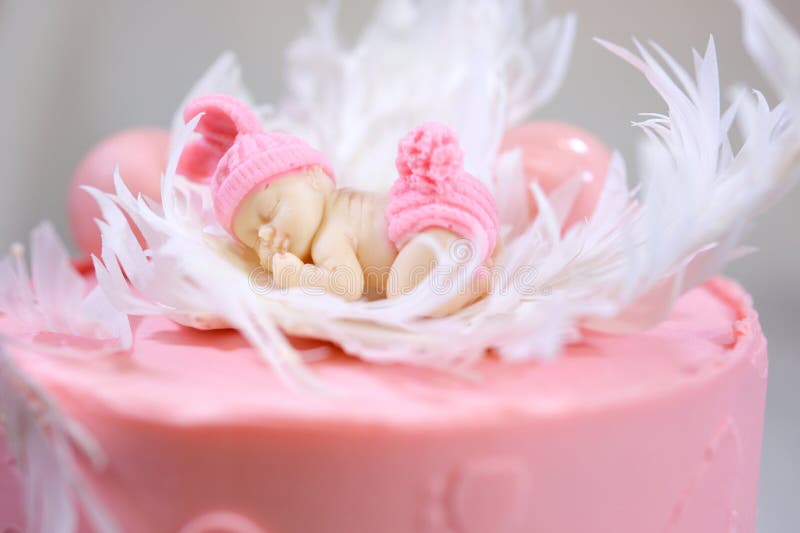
x=335, y=256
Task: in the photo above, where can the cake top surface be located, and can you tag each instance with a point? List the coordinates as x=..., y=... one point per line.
x=177, y=375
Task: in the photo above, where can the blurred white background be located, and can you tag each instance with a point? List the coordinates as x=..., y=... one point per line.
x=74, y=72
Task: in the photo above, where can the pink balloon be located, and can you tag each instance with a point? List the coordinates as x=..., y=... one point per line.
x=141, y=155
x=553, y=153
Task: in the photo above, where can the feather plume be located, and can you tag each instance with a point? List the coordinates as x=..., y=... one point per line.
x=224, y=76
x=478, y=66
x=54, y=297
x=699, y=196
x=43, y=442
x=773, y=44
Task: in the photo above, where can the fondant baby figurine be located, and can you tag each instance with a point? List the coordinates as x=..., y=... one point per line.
x=276, y=195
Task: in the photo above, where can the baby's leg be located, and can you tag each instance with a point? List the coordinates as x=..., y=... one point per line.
x=335, y=255
x=417, y=259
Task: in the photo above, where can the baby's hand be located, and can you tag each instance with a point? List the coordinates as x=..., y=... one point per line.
x=270, y=242
x=286, y=269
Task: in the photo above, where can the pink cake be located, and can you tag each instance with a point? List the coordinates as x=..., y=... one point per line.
x=599, y=376
x=659, y=431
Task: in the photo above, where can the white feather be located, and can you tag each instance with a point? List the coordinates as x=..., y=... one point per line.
x=773, y=44
x=699, y=196
x=44, y=443
x=224, y=76
x=54, y=299
x=479, y=66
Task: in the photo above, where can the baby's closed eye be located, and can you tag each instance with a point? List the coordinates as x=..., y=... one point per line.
x=267, y=210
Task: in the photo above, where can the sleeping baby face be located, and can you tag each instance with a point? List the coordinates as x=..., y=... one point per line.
x=285, y=214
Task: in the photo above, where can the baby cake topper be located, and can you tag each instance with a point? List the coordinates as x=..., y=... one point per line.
x=276, y=195
x=559, y=249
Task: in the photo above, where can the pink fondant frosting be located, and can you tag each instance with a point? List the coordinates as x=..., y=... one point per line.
x=658, y=431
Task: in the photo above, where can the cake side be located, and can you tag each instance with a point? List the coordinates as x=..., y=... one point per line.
x=658, y=431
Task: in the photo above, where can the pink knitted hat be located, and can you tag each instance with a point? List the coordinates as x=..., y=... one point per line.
x=434, y=191
x=238, y=155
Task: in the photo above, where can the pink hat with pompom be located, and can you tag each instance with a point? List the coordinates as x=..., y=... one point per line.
x=434, y=191
x=238, y=155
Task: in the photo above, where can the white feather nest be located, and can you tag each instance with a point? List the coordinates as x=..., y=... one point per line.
x=482, y=70
x=620, y=271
